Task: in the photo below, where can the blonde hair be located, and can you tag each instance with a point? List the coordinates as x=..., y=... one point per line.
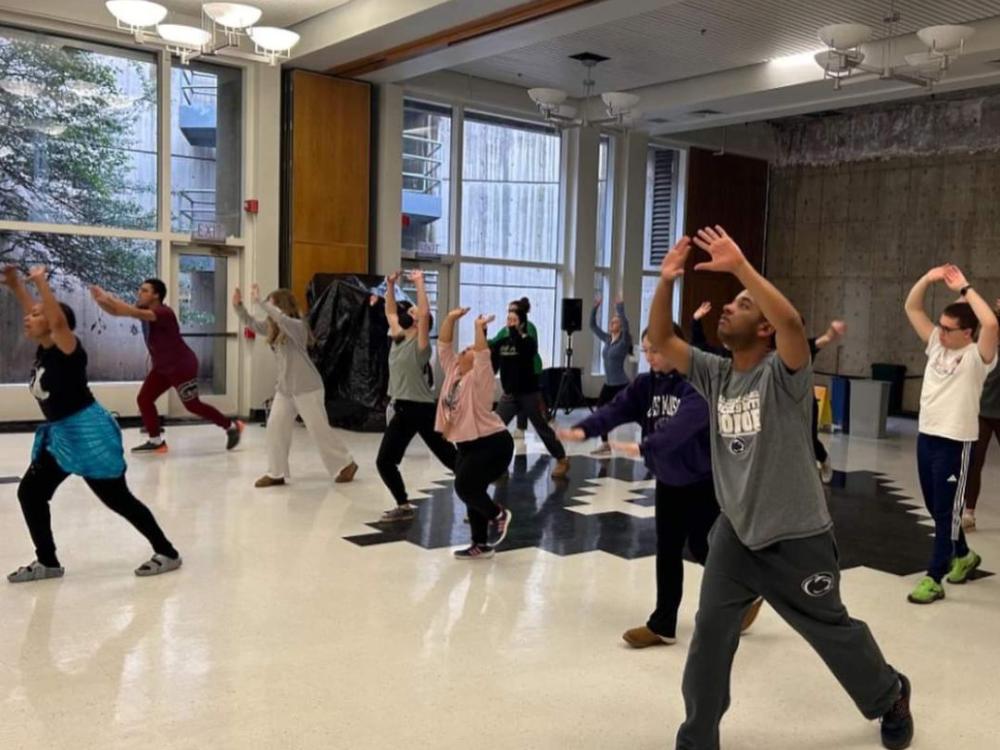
x=285, y=301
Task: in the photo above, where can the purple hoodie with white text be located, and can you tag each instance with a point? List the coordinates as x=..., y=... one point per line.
x=675, y=426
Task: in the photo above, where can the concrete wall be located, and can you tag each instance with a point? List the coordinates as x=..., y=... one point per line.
x=848, y=240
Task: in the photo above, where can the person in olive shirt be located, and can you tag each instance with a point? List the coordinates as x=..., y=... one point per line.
x=989, y=426
x=513, y=356
x=78, y=437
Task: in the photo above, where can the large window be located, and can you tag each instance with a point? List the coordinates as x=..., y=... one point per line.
x=661, y=228
x=206, y=149
x=510, y=191
x=114, y=346
x=426, y=177
x=78, y=130
x=490, y=288
x=602, y=264
x=510, y=222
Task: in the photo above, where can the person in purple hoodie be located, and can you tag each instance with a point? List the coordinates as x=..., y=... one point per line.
x=675, y=447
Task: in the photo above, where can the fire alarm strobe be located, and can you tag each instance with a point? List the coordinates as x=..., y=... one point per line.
x=251, y=205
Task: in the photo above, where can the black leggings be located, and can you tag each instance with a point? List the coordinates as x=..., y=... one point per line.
x=481, y=462
x=531, y=406
x=409, y=419
x=606, y=396
x=39, y=485
x=682, y=514
x=987, y=429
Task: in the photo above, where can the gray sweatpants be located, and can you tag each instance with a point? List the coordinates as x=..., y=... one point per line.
x=800, y=580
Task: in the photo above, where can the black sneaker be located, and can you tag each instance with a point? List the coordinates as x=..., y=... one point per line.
x=499, y=527
x=897, y=722
x=150, y=447
x=475, y=552
x=233, y=434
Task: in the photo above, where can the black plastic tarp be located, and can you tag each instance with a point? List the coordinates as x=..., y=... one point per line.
x=352, y=349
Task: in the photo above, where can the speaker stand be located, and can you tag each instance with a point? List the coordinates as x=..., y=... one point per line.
x=567, y=386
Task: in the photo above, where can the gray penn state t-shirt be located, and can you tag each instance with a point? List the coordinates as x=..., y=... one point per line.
x=762, y=456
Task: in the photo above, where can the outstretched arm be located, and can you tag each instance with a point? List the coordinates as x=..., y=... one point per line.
x=988, y=323
x=12, y=280
x=63, y=337
x=482, y=322
x=915, y=303
x=833, y=334
x=620, y=312
x=391, y=313
x=447, y=334
x=790, y=335
x=661, y=311
x=258, y=326
x=423, y=302
x=114, y=306
x=595, y=327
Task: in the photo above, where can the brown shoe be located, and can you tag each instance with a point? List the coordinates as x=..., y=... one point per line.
x=751, y=614
x=644, y=638
x=268, y=481
x=347, y=473
x=562, y=469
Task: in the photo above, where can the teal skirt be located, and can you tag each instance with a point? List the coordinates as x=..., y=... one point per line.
x=88, y=444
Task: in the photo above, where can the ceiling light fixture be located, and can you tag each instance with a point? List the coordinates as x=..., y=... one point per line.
x=621, y=106
x=845, y=57
x=221, y=33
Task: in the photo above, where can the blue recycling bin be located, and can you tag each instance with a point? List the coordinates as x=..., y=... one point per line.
x=840, y=402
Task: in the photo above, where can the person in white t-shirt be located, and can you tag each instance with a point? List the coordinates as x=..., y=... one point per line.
x=957, y=366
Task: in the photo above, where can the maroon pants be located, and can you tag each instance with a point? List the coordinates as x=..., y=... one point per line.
x=186, y=382
x=987, y=429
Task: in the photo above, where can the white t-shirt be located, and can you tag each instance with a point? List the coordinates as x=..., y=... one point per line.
x=953, y=384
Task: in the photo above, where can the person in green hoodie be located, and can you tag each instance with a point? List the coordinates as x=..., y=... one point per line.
x=523, y=304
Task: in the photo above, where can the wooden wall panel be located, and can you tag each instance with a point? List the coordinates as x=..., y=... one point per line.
x=730, y=191
x=328, y=158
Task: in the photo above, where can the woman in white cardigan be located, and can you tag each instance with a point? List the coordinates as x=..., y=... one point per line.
x=299, y=389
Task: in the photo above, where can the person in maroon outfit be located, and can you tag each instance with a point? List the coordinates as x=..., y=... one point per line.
x=174, y=365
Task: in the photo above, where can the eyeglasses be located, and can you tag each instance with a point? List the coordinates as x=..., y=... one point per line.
x=947, y=329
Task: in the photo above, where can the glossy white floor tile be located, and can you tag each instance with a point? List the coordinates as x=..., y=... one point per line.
x=278, y=633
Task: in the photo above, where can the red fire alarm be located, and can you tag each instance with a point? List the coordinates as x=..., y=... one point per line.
x=251, y=206
x=249, y=333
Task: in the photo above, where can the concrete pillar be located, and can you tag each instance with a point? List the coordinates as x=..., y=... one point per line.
x=229, y=150
x=388, y=178
x=628, y=224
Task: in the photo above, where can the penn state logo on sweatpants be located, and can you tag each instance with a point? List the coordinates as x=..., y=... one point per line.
x=818, y=584
x=188, y=391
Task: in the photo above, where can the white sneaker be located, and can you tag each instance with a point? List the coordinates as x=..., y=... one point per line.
x=825, y=471
x=968, y=520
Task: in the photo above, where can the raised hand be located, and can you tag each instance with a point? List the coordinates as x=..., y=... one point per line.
x=839, y=329
x=458, y=312
x=392, y=278
x=38, y=272
x=627, y=449
x=727, y=257
x=12, y=280
x=372, y=300
x=417, y=276
x=574, y=435
x=97, y=293
x=255, y=293
x=483, y=320
x=703, y=309
x=936, y=274
x=598, y=301
x=673, y=262
x=237, y=297
x=955, y=279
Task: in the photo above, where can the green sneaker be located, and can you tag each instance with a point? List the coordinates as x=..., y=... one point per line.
x=962, y=567
x=927, y=591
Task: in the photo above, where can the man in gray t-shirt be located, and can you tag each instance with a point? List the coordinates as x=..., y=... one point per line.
x=773, y=538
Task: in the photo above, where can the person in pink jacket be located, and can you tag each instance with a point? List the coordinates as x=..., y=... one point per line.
x=466, y=418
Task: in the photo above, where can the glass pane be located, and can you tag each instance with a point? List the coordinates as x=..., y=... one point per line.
x=202, y=304
x=487, y=289
x=661, y=189
x=510, y=192
x=604, y=203
x=115, y=347
x=79, y=132
x=602, y=289
x=426, y=177
x=206, y=150
x=432, y=280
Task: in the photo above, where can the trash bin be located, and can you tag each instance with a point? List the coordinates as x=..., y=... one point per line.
x=869, y=408
x=895, y=375
x=840, y=401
